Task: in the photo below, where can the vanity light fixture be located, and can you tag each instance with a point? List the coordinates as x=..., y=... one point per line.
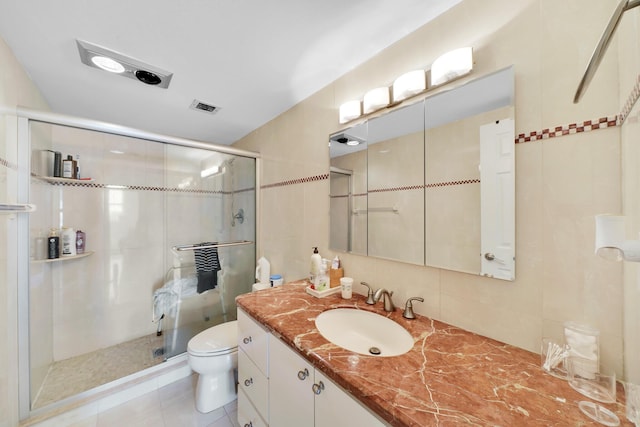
x=108, y=60
x=610, y=241
x=447, y=67
x=451, y=65
x=375, y=99
x=409, y=84
x=350, y=110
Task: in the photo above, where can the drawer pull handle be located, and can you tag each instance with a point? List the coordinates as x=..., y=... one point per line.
x=249, y=424
x=302, y=375
x=317, y=388
x=247, y=340
x=248, y=382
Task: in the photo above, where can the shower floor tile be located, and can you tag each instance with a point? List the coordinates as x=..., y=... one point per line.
x=81, y=373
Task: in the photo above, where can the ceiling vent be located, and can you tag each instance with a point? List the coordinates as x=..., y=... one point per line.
x=204, y=107
x=108, y=60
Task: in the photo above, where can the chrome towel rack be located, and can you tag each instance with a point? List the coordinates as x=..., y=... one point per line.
x=181, y=248
x=602, y=45
x=9, y=208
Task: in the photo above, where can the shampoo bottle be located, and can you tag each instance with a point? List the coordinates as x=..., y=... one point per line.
x=316, y=263
x=53, y=244
x=68, y=241
x=81, y=239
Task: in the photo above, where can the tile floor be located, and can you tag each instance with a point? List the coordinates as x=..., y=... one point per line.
x=81, y=373
x=170, y=406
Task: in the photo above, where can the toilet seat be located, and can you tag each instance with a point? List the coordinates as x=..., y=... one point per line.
x=215, y=341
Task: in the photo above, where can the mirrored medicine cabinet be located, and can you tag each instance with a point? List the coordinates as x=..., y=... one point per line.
x=431, y=183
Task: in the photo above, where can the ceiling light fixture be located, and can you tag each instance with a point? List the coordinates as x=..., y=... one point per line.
x=446, y=68
x=107, y=64
x=105, y=59
x=347, y=139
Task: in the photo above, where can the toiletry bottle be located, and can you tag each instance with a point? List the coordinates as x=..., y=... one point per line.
x=81, y=240
x=68, y=241
x=68, y=167
x=53, y=244
x=316, y=261
x=40, y=251
x=335, y=264
x=77, y=166
x=322, y=279
x=57, y=164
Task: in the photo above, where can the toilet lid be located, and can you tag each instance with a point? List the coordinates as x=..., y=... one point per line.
x=222, y=338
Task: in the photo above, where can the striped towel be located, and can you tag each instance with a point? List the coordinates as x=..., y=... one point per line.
x=207, y=266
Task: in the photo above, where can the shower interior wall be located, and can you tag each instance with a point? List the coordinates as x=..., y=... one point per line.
x=145, y=197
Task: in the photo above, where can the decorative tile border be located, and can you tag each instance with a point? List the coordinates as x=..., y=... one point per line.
x=88, y=184
x=450, y=183
x=408, y=187
x=631, y=101
x=296, y=181
x=570, y=129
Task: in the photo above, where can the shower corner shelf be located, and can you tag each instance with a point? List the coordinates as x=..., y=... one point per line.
x=58, y=179
x=63, y=258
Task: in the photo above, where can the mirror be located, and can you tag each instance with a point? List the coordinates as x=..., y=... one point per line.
x=348, y=191
x=427, y=200
x=395, y=185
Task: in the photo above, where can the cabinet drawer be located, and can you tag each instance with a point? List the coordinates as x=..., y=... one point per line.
x=254, y=384
x=247, y=414
x=254, y=340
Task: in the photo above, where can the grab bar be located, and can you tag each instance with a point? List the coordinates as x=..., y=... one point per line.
x=213, y=245
x=9, y=208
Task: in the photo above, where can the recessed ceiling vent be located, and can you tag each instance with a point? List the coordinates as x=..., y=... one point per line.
x=204, y=107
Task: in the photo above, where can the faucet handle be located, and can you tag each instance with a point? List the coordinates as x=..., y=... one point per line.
x=408, y=308
x=370, y=300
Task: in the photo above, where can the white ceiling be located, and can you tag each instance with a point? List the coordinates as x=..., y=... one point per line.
x=252, y=58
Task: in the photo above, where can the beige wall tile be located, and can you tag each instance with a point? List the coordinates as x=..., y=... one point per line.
x=560, y=183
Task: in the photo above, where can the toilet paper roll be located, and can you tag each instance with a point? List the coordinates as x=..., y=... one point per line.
x=260, y=286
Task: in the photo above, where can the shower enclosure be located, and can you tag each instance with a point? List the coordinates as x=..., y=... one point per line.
x=147, y=204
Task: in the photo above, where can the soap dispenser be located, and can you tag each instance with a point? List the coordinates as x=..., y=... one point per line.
x=316, y=264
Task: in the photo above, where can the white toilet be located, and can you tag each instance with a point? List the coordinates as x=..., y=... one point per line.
x=213, y=354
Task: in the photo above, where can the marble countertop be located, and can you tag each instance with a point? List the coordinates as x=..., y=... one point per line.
x=449, y=377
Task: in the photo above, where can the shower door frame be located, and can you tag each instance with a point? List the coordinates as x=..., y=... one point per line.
x=25, y=117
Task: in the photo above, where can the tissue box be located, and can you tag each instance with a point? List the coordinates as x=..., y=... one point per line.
x=334, y=276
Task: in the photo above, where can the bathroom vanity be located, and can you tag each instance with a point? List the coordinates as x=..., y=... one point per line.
x=289, y=374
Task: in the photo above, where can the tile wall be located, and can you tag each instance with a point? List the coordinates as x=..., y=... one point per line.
x=561, y=182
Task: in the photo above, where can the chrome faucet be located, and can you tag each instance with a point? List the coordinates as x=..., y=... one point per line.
x=370, y=300
x=408, y=308
x=388, y=303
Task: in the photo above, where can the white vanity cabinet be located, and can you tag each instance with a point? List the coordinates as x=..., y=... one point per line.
x=253, y=372
x=299, y=395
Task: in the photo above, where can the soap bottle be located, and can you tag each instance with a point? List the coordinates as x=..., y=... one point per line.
x=316, y=263
x=69, y=167
x=53, y=244
x=322, y=279
x=68, y=241
x=81, y=239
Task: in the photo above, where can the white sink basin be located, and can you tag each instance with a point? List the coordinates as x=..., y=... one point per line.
x=364, y=332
